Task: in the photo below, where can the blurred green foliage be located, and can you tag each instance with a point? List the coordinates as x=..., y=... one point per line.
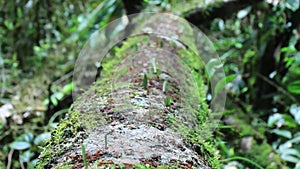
x=39, y=42
x=259, y=49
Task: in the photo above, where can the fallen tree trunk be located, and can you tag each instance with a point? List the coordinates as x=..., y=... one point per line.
x=144, y=111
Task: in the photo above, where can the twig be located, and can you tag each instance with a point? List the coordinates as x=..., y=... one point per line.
x=21, y=164
x=63, y=78
x=242, y=159
x=9, y=158
x=280, y=89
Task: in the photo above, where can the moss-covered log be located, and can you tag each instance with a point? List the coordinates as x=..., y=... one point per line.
x=141, y=112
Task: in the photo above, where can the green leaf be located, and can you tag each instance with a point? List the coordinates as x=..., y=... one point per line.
x=243, y=13
x=68, y=88
x=238, y=45
x=283, y=133
x=231, y=152
x=291, y=151
x=54, y=100
x=19, y=12
x=19, y=145
x=32, y=164
x=41, y=138
x=28, y=137
x=84, y=156
x=222, y=83
x=289, y=158
x=296, y=139
x=294, y=87
x=295, y=111
x=26, y=156
x=145, y=81
x=9, y=25
x=168, y=101
x=59, y=95
x=150, y=72
x=289, y=49
x=275, y=119
x=136, y=47
x=289, y=121
x=221, y=25
x=292, y=4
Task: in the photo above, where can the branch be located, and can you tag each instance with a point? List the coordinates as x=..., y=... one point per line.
x=222, y=10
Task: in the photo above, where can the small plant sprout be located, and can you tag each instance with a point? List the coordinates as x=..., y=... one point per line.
x=164, y=86
x=168, y=101
x=84, y=156
x=161, y=43
x=150, y=72
x=154, y=65
x=146, y=39
x=145, y=81
x=136, y=47
x=158, y=72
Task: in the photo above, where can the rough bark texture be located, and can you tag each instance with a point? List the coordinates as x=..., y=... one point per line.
x=139, y=113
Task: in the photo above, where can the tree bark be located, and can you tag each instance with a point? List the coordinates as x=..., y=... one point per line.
x=139, y=113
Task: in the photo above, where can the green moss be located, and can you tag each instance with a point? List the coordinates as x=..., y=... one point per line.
x=96, y=163
x=102, y=86
x=65, y=131
x=203, y=146
x=206, y=146
x=174, y=165
x=128, y=47
x=63, y=166
x=162, y=166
